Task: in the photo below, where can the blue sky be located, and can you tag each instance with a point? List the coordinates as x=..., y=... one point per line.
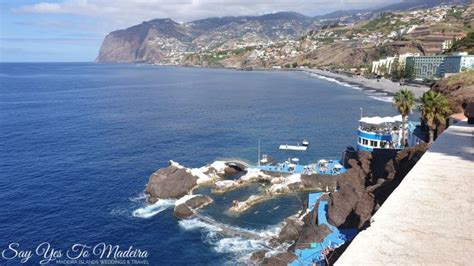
x=72, y=30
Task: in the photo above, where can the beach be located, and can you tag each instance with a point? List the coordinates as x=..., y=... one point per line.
x=383, y=84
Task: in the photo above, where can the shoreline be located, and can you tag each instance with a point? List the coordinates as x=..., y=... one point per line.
x=383, y=85
x=388, y=87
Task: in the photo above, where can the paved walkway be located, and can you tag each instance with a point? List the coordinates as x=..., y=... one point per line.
x=429, y=218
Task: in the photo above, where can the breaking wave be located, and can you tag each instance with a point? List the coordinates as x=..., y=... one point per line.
x=374, y=94
x=336, y=81
x=387, y=99
x=239, y=248
x=139, y=198
x=153, y=209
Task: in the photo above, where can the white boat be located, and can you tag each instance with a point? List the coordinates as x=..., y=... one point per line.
x=305, y=142
x=293, y=147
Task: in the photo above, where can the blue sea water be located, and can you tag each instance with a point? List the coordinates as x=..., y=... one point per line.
x=79, y=140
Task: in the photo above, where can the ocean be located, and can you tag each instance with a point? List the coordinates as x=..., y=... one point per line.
x=79, y=140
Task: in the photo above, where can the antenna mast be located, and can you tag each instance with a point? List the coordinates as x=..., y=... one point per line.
x=258, y=159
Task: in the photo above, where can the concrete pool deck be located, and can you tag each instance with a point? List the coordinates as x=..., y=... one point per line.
x=429, y=218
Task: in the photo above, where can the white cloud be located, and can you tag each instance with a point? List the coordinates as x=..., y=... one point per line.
x=123, y=13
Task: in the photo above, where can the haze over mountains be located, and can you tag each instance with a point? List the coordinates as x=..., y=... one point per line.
x=166, y=41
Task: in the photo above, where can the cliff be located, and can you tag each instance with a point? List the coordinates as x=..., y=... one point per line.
x=459, y=89
x=165, y=41
x=349, y=38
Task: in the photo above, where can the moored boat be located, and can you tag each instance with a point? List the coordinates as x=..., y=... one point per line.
x=379, y=133
x=293, y=147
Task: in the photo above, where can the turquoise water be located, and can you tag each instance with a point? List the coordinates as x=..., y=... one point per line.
x=78, y=142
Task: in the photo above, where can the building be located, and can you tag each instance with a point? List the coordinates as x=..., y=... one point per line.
x=436, y=66
x=458, y=63
x=383, y=66
x=386, y=65
x=446, y=45
x=403, y=58
x=424, y=67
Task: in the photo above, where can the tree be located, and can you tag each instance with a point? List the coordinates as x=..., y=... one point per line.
x=408, y=72
x=404, y=100
x=382, y=70
x=465, y=44
x=396, y=72
x=434, y=109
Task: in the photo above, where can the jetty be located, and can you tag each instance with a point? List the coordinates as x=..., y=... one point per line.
x=428, y=219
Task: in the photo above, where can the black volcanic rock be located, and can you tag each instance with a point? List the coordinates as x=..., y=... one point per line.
x=312, y=234
x=364, y=187
x=198, y=201
x=171, y=182
x=185, y=209
x=291, y=230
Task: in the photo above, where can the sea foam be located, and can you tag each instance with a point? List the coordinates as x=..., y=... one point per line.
x=347, y=85
x=387, y=99
x=240, y=248
x=153, y=209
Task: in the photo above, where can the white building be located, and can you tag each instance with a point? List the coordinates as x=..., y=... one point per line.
x=446, y=45
x=385, y=66
x=402, y=59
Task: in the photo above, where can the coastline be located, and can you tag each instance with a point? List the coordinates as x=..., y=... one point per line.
x=383, y=85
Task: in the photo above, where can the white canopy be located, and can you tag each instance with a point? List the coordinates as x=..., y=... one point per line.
x=322, y=161
x=377, y=120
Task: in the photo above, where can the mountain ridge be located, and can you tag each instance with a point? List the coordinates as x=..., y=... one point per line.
x=161, y=40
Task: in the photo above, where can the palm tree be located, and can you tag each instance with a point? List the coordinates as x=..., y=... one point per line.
x=434, y=109
x=404, y=101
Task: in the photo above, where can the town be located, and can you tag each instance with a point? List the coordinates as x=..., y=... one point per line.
x=419, y=45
